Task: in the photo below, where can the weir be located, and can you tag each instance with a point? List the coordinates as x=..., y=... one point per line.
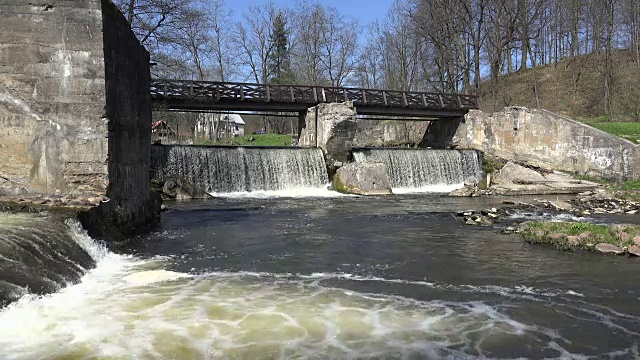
x=40, y=255
x=240, y=169
x=425, y=169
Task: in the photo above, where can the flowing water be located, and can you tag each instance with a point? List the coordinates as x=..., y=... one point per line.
x=328, y=278
x=421, y=170
x=241, y=169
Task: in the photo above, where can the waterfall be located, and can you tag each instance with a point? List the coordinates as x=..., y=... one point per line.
x=39, y=254
x=240, y=169
x=425, y=170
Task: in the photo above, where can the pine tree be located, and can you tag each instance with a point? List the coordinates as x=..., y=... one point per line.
x=279, y=58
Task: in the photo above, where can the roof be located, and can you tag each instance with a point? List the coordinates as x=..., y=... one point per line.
x=234, y=118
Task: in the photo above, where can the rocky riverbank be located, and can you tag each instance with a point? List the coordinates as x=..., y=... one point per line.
x=576, y=234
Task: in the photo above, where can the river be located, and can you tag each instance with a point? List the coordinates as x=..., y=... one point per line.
x=333, y=277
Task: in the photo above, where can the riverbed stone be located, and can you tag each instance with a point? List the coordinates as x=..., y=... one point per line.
x=363, y=179
x=634, y=250
x=181, y=189
x=609, y=249
x=467, y=191
x=636, y=240
x=574, y=240
x=561, y=205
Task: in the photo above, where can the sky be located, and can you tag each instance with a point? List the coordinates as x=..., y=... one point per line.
x=365, y=11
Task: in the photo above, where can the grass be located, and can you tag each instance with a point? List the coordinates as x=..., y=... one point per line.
x=259, y=140
x=625, y=130
x=576, y=235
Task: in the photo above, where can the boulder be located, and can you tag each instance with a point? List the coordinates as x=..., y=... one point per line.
x=466, y=191
x=574, y=240
x=181, y=189
x=362, y=179
x=561, y=205
x=609, y=249
x=636, y=240
x=634, y=250
x=513, y=173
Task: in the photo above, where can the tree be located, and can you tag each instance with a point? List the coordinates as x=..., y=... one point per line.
x=279, y=58
x=252, y=37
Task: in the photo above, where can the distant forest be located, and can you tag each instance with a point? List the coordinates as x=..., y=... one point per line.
x=421, y=45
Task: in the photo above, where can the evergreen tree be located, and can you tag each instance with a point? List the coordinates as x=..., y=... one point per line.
x=279, y=57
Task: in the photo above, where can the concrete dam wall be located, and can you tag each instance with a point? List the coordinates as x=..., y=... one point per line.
x=75, y=110
x=541, y=138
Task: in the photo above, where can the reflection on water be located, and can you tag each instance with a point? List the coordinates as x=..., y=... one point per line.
x=331, y=278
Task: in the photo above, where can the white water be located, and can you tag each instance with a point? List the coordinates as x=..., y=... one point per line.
x=241, y=170
x=303, y=192
x=423, y=171
x=133, y=308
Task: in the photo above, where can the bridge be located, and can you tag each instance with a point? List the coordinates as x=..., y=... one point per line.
x=189, y=95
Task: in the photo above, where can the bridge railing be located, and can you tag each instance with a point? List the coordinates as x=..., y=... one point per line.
x=224, y=91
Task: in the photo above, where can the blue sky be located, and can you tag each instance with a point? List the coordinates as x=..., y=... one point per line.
x=365, y=11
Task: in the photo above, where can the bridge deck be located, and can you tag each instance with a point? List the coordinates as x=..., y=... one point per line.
x=205, y=95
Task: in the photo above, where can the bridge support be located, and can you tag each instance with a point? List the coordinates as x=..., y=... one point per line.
x=75, y=108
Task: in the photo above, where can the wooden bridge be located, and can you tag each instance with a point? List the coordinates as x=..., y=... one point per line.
x=212, y=96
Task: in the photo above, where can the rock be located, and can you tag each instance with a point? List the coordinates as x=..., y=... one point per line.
x=609, y=249
x=470, y=221
x=465, y=213
x=510, y=230
x=586, y=193
x=513, y=173
x=479, y=220
x=632, y=212
x=574, y=240
x=557, y=236
x=585, y=235
x=636, y=240
x=362, y=179
x=634, y=250
x=163, y=207
x=466, y=191
x=624, y=237
x=509, y=202
x=181, y=189
x=561, y=205
x=492, y=215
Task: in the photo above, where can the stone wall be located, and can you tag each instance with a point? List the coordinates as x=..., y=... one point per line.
x=389, y=133
x=544, y=139
x=52, y=97
x=331, y=127
x=128, y=109
x=74, y=106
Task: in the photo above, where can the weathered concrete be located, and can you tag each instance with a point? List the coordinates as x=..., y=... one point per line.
x=332, y=128
x=543, y=139
x=389, y=133
x=74, y=106
x=362, y=179
x=514, y=179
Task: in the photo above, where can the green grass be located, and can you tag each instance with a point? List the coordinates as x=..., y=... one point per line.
x=556, y=234
x=259, y=140
x=625, y=130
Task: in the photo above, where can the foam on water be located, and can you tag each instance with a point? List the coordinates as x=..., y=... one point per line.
x=320, y=192
x=129, y=307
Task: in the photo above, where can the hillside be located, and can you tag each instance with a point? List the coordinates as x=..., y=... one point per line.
x=573, y=87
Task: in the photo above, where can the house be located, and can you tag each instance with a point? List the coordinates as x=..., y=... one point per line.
x=230, y=125
x=161, y=131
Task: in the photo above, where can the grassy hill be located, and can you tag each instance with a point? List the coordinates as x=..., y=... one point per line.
x=575, y=88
